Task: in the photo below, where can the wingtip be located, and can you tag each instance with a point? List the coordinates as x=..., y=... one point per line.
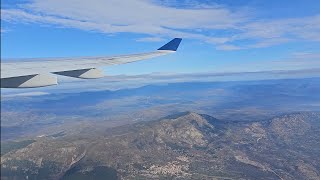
x=172, y=45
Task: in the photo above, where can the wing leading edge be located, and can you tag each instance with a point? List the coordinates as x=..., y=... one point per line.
x=40, y=72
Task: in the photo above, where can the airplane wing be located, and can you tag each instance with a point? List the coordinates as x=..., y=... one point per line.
x=41, y=72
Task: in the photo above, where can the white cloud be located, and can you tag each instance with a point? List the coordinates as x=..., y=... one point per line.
x=24, y=94
x=3, y=30
x=305, y=28
x=158, y=20
x=306, y=56
x=150, y=39
x=228, y=47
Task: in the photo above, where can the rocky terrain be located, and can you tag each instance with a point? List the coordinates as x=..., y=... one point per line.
x=182, y=146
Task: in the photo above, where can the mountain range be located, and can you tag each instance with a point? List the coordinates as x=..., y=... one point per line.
x=184, y=145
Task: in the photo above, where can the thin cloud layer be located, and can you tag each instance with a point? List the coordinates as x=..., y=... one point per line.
x=26, y=94
x=213, y=24
x=124, y=81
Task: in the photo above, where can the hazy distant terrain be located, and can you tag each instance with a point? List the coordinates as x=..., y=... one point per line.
x=231, y=101
x=185, y=130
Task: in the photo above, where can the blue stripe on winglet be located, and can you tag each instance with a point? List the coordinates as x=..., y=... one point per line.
x=172, y=45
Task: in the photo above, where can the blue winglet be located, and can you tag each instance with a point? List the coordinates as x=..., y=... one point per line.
x=172, y=45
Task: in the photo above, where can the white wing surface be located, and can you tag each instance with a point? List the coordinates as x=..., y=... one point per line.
x=41, y=72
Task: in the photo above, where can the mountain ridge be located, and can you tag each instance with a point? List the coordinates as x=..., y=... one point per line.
x=181, y=146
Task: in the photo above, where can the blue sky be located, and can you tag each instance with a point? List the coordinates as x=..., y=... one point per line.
x=219, y=36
